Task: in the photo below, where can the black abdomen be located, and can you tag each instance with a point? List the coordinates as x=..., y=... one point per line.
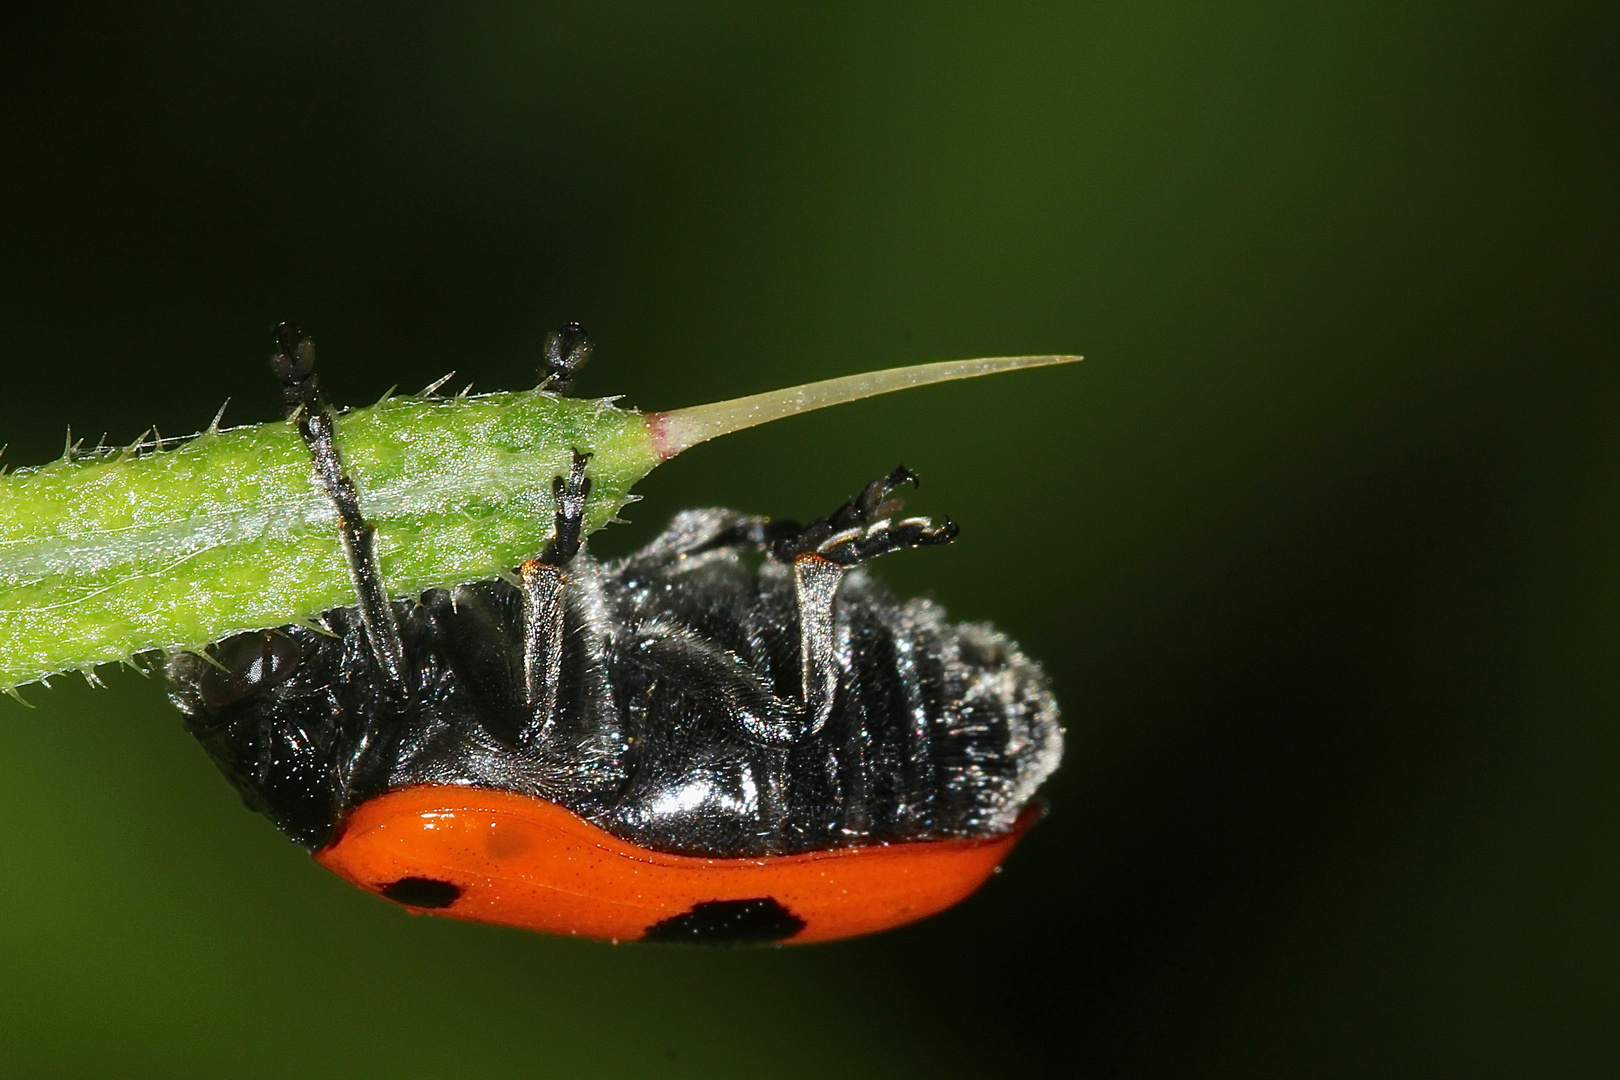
x=936, y=730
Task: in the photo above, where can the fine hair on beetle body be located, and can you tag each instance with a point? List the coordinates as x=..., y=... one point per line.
x=737, y=689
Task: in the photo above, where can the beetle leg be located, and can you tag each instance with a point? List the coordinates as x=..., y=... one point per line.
x=815, y=589
x=864, y=527
x=569, y=522
x=294, y=364
x=566, y=352
x=542, y=585
x=722, y=678
x=822, y=552
x=726, y=683
x=732, y=531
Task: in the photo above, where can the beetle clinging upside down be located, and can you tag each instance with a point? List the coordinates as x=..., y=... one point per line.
x=732, y=734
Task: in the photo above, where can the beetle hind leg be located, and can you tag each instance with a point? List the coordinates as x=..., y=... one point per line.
x=865, y=527
x=822, y=552
x=862, y=529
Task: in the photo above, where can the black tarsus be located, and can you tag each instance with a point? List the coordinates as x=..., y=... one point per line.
x=843, y=536
x=294, y=365
x=570, y=496
x=849, y=535
x=913, y=532
x=567, y=350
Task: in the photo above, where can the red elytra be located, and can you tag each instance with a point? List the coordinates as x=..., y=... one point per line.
x=518, y=861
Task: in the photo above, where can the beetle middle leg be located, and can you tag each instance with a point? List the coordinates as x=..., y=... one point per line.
x=542, y=586
x=566, y=351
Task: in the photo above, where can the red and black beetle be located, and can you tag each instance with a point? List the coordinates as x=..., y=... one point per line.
x=732, y=735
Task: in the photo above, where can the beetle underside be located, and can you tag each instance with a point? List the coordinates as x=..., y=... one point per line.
x=736, y=688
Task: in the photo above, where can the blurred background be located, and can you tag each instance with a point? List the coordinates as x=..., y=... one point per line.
x=1318, y=545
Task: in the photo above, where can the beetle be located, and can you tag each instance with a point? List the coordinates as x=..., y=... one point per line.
x=732, y=735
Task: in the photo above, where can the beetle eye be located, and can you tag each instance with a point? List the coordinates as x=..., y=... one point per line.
x=249, y=663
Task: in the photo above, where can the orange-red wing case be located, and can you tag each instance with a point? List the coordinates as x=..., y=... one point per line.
x=492, y=856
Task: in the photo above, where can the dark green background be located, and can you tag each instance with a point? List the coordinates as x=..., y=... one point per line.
x=1318, y=545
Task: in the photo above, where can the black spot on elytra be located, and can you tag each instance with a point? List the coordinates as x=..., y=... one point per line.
x=423, y=892
x=728, y=922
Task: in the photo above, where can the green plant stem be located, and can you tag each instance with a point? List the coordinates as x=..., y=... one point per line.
x=109, y=555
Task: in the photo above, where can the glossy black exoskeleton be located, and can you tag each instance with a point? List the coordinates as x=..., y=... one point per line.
x=737, y=687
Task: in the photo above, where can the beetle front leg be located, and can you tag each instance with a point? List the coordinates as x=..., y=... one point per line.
x=294, y=364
